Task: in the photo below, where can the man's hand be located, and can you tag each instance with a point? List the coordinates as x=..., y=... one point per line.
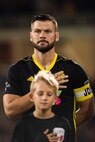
x=51, y=136
x=61, y=78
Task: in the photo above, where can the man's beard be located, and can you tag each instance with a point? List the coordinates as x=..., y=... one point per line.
x=44, y=49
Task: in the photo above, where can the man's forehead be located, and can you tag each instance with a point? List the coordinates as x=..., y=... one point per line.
x=43, y=24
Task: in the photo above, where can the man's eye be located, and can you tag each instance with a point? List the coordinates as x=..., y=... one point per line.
x=48, y=31
x=37, y=31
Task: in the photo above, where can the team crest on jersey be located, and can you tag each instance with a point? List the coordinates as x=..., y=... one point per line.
x=60, y=132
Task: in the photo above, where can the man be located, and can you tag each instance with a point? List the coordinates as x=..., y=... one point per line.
x=43, y=36
x=42, y=125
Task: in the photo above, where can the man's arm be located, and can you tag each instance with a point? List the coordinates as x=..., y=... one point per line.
x=15, y=105
x=86, y=110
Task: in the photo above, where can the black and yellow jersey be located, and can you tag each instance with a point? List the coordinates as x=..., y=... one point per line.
x=78, y=88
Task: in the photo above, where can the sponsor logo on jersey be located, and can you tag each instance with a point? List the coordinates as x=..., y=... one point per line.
x=7, y=85
x=30, y=78
x=84, y=92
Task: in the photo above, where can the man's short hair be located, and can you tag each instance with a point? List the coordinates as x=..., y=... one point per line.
x=44, y=17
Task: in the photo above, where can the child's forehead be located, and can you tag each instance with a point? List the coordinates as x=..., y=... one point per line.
x=42, y=83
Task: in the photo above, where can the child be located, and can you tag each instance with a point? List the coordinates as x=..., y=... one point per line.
x=43, y=125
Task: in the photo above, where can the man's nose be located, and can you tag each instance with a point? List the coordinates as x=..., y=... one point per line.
x=42, y=34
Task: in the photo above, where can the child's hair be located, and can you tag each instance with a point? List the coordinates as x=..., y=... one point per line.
x=48, y=77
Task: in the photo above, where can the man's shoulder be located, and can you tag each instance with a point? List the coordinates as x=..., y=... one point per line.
x=66, y=60
x=22, y=61
x=69, y=64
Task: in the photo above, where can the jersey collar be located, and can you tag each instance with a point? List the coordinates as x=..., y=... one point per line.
x=50, y=66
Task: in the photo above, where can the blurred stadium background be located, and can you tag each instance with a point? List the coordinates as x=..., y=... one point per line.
x=76, y=19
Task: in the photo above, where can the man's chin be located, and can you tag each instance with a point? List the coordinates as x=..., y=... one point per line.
x=42, y=45
x=43, y=48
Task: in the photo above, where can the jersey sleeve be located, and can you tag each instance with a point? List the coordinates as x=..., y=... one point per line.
x=12, y=84
x=81, y=84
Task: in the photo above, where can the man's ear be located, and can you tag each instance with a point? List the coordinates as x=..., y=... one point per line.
x=30, y=36
x=57, y=36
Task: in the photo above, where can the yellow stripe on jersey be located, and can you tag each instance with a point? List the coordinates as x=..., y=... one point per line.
x=74, y=114
x=53, y=63
x=40, y=66
x=83, y=93
x=36, y=62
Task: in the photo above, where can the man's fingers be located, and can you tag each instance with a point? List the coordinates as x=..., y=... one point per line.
x=46, y=131
x=61, y=77
x=62, y=86
x=58, y=74
x=63, y=81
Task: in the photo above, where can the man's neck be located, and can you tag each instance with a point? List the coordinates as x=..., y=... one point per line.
x=44, y=59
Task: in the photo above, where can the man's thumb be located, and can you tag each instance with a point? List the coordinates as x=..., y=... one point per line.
x=46, y=131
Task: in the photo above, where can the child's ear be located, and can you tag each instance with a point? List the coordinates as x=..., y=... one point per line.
x=55, y=98
x=30, y=96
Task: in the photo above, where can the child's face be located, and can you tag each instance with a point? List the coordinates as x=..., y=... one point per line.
x=43, y=96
